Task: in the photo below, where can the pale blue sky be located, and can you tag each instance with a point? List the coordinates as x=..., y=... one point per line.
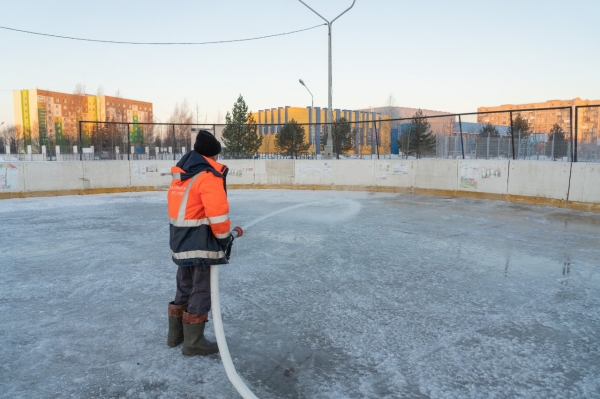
x=441, y=55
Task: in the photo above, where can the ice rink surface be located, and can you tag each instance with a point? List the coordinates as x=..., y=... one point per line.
x=353, y=295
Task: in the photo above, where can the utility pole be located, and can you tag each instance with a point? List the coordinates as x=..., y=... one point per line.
x=328, y=151
x=310, y=127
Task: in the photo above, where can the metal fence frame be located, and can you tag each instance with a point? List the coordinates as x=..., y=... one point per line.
x=576, y=141
x=376, y=126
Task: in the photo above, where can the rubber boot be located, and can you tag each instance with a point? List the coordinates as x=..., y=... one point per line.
x=194, y=342
x=175, y=336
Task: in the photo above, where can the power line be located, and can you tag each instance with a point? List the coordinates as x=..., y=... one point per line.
x=159, y=43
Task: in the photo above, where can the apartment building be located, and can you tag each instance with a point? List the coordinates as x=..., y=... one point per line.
x=542, y=121
x=43, y=114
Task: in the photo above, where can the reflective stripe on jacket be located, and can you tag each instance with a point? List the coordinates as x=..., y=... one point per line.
x=198, y=211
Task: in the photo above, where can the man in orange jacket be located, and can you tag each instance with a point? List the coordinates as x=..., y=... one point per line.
x=199, y=237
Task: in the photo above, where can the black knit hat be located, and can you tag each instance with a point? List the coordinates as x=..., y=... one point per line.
x=206, y=144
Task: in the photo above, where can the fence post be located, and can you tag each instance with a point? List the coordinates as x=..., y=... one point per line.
x=552, y=154
x=376, y=138
x=462, y=144
x=80, y=147
x=574, y=139
x=487, y=155
x=512, y=136
x=128, y=143
x=174, y=143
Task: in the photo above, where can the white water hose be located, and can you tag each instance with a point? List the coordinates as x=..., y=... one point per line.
x=233, y=376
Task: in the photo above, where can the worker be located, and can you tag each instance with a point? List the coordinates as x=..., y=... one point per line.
x=200, y=236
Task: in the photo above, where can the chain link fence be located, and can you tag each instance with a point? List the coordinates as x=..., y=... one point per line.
x=542, y=134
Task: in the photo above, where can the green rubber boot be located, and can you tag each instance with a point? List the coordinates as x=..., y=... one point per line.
x=175, y=336
x=194, y=342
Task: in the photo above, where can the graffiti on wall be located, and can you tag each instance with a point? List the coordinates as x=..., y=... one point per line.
x=9, y=176
x=239, y=171
x=314, y=169
x=473, y=173
x=140, y=170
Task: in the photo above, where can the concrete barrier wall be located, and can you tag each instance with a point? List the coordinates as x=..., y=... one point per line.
x=241, y=171
x=273, y=172
x=316, y=172
x=395, y=174
x=354, y=173
x=12, y=177
x=549, y=180
x=150, y=173
x=482, y=177
x=436, y=174
x=575, y=185
x=106, y=174
x=585, y=183
x=52, y=176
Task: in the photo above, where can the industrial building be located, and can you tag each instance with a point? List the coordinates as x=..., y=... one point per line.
x=371, y=134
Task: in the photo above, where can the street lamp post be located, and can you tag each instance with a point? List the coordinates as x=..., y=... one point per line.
x=312, y=105
x=328, y=153
x=5, y=142
x=161, y=133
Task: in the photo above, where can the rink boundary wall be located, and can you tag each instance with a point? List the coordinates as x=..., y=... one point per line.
x=559, y=184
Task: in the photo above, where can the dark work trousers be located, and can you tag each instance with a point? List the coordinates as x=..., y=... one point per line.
x=193, y=288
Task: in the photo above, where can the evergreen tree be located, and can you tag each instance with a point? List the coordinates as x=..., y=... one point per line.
x=519, y=125
x=342, y=137
x=419, y=138
x=557, y=135
x=240, y=136
x=520, y=132
x=486, y=142
x=290, y=140
x=489, y=130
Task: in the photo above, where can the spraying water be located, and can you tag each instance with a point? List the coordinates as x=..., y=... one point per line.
x=232, y=374
x=279, y=211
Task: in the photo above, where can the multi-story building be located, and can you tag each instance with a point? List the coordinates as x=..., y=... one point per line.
x=542, y=121
x=440, y=124
x=51, y=116
x=367, y=125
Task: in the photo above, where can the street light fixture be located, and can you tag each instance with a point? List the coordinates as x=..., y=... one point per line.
x=312, y=105
x=328, y=153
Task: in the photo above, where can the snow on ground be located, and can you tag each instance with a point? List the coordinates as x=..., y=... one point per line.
x=354, y=295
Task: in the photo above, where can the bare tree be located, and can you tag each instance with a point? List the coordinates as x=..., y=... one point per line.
x=180, y=135
x=13, y=137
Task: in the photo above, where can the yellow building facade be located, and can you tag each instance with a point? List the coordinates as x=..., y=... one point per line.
x=370, y=133
x=588, y=122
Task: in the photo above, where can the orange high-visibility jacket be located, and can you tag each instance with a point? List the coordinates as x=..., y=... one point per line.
x=198, y=211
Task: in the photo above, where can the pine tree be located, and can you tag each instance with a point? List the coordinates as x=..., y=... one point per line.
x=342, y=137
x=519, y=125
x=419, y=138
x=489, y=130
x=290, y=140
x=486, y=142
x=240, y=136
x=557, y=135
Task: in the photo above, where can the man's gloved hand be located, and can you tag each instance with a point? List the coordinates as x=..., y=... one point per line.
x=226, y=243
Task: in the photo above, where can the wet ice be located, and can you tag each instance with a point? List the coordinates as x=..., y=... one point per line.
x=348, y=294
